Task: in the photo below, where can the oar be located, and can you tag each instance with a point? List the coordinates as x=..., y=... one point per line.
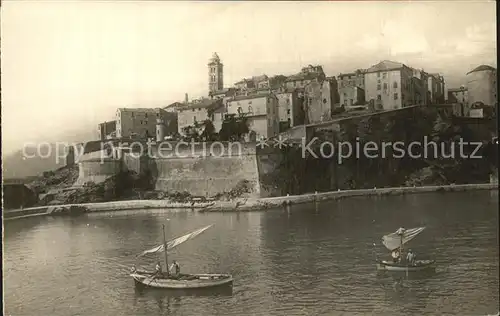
x=152, y=279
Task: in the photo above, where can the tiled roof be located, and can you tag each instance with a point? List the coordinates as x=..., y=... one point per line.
x=252, y=96
x=482, y=68
x=174, y=105
x=260, y=78
x=142, y=110
x=456, y=89
x=254, y=79
x=385, y=66
x=303, y=76
x=202, y=104
x=226, y=91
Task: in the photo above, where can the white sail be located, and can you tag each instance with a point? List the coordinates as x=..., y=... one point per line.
x=175, y=242
x=393, y=241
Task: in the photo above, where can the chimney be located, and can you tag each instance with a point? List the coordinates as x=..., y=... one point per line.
x=186, y=100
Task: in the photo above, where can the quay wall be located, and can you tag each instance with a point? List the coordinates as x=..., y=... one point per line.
x=250, y=204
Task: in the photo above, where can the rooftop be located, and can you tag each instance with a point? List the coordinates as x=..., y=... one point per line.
x=202, y=104
x=141, y=110
x=457, y=89
x=303, y=76
x=385, y=65
x=482, y=68
x=174, y=105
x=254, y=79
x=252, y=96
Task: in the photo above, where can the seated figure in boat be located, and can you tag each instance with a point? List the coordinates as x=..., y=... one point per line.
x=175, y=273
x=410, y=257
x=396, y=256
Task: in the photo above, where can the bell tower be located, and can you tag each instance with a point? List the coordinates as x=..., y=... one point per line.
x=215, y=74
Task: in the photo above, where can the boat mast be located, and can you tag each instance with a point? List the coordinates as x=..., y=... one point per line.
x=401, y=247
x=165, y=248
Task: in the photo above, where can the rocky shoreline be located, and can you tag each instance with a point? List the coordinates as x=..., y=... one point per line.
x=236, y=205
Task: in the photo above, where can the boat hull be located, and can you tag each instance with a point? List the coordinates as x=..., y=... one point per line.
x=185, y=281
x=420, y=265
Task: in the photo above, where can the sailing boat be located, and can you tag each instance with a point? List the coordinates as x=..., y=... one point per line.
x=182, y=281
x=394, y=242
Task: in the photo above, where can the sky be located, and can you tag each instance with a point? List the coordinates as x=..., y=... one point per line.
x=68, y=65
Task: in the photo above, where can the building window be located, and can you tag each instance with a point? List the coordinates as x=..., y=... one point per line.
x=395, y=85
x=378, y=74
x=395, y=96
x=379, y=97
x=384, y=75
x=378, y=87
x=324, y=100
x=288, y=111
x=385, y=86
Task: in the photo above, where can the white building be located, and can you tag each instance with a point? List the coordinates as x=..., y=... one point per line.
x=390, y=84
x=261, y=111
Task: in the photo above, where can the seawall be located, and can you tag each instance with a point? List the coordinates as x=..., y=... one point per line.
x=249, y=204
x=205, y=169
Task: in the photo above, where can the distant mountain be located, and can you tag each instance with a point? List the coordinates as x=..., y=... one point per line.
x=26, y=163
x=30, y=161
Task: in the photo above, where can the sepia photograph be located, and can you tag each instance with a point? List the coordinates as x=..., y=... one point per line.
x=241, y=158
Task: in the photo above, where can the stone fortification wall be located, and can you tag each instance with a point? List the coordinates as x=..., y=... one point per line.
x=96, y=167
x=204, y=169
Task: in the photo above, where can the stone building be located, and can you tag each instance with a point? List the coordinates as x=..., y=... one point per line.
x=351, y=88
x=482, y=85
x=290, y=109
x=261, y=111
x=421, y=88
x=320, y=99
x=305, y=77
x=174, y=106
x=251, y=85
x=141, y=122
x=458, y=95
x=16, y=195
x=197, y=111
x=436, y=88
x=105, y=129
x=390, y=85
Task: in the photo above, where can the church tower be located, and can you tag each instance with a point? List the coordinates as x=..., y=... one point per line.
x=215, y=74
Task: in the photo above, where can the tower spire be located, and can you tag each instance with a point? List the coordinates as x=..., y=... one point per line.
x=215, y=73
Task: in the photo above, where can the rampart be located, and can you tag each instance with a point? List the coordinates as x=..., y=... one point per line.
x=207, y=169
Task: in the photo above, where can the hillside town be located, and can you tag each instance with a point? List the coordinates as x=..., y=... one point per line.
x=273, y=104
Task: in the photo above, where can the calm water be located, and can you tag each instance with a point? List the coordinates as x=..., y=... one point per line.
x=307, y=260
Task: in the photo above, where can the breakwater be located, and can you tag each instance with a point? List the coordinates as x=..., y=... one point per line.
x=251, y=204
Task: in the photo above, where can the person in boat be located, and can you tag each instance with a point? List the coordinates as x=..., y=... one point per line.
x=175, y=269
x=410, y=257
x=396, y=256
x=158, y=269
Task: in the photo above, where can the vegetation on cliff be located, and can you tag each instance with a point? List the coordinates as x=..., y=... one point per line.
x=387, y=168
x=233, y=128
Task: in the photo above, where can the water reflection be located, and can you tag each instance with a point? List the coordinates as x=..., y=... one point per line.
x=315, y=259
x=165, y=293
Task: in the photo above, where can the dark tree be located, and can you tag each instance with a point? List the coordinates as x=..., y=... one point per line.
x=233, y=127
